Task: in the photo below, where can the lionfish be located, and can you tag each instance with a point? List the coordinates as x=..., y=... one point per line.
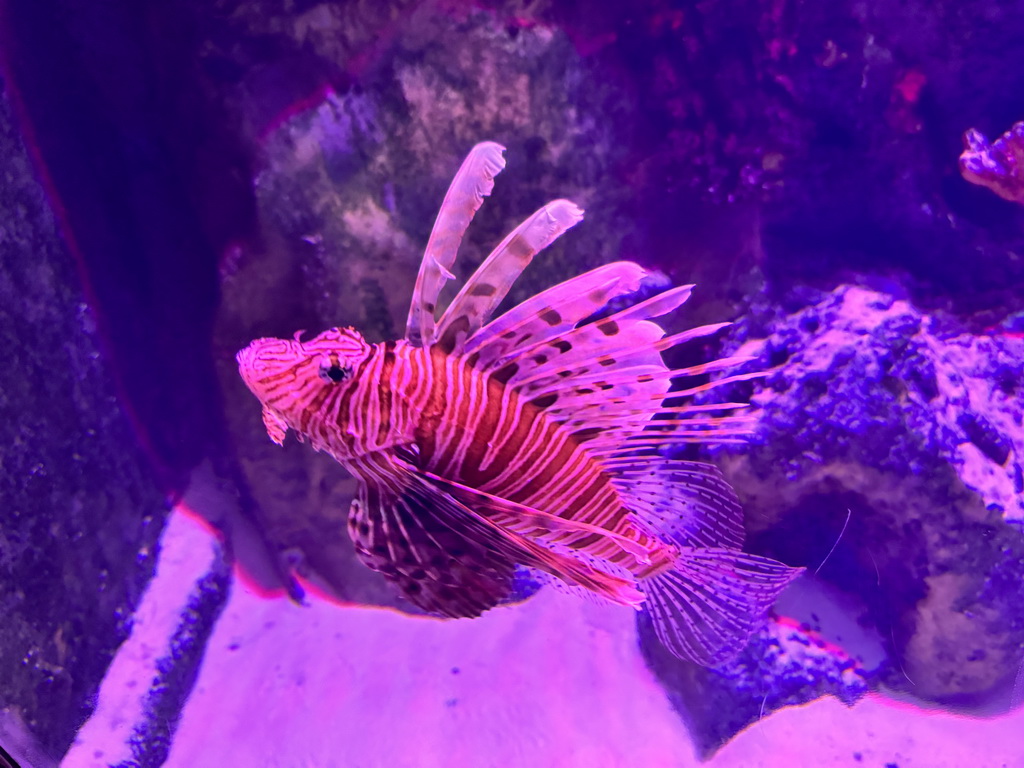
x=481, y=446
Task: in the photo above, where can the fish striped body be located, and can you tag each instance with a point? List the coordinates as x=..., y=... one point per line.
x=469, y=427
x=528, y=440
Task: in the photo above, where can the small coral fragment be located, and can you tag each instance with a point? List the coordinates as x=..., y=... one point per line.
x=999, y=165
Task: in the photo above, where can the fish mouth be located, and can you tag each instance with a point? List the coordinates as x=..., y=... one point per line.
x=264, y=358
x=246, y=359
x=244, y=355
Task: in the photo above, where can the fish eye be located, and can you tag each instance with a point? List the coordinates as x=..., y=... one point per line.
x=334, y=372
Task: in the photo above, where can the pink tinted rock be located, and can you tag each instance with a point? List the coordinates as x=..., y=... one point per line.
x=999, y=165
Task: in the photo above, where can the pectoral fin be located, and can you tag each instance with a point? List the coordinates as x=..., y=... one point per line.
x=275, y=425
x=410, y=522
x=533, y=523
x=521, y=549
x=424, y=552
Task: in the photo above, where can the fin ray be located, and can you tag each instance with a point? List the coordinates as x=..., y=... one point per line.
x=490, y=283
x=472, y=183
x=531, y=522
x=433, y=502
x=554, y=311
x=412, y=548
x=707, y=608
x=689, y=502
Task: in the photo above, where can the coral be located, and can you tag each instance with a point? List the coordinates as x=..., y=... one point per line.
x=176, y=673
x=783, y=665
x=913, y=424
x=999, y=165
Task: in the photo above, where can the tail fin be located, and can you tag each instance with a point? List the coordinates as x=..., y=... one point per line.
x=706, y=609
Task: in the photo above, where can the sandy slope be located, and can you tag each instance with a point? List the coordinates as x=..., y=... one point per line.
x=553, y=682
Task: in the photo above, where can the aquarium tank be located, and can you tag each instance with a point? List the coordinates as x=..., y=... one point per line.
x=512, y=383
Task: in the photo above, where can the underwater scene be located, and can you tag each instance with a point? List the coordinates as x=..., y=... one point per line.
x=529, y=383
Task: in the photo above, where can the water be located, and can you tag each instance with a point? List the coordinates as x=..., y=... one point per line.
x=184, y=178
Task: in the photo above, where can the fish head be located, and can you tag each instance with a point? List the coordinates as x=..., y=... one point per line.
x=288, y=375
